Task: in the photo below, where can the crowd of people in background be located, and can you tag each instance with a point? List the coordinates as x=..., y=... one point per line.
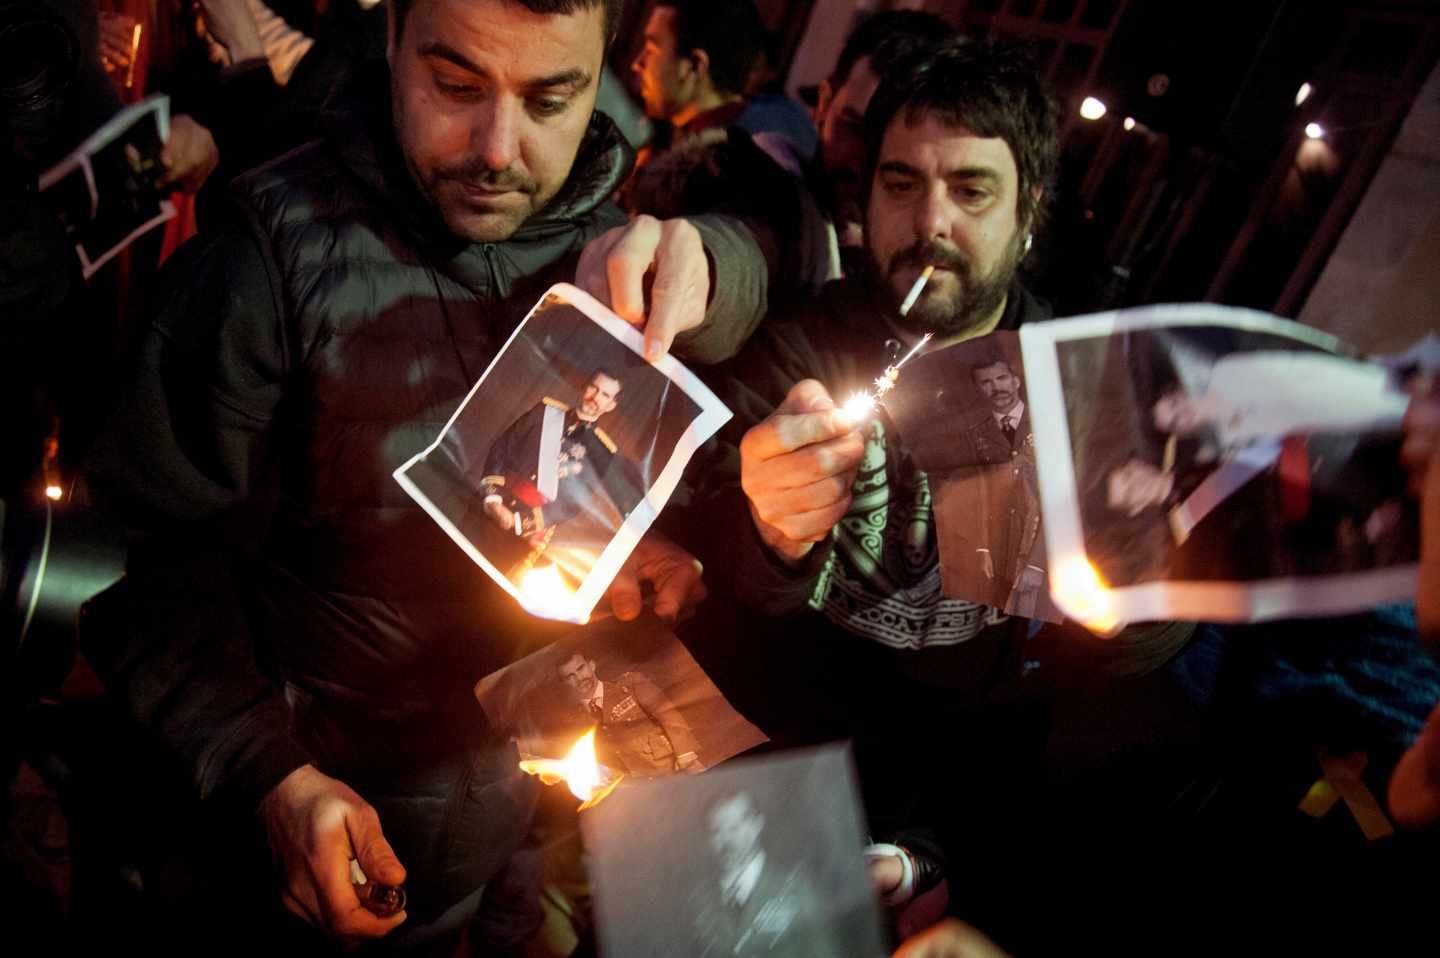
x=372, y=194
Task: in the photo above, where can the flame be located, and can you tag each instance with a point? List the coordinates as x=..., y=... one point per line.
x=544, y=589
x=582, y=773
x=1077, y=588
x=858, y=406
x=54, y=492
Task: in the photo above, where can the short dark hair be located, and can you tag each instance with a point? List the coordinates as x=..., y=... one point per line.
x=985, y=362
x=885, y=38
x=729, y=31
x=602, y=371
x=567, y=649
x=613, y=8
x=992, y=89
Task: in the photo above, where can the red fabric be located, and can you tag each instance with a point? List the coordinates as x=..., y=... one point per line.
x=527, y=493
x=1294, y=469
x=181, y=228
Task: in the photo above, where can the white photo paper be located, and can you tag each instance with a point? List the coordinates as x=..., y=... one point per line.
x=562, y=454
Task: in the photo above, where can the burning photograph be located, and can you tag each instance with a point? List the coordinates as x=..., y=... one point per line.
x=652, y=710
x=562, y=454
x=762, y=857
x=1224, y=464
x=962, y=413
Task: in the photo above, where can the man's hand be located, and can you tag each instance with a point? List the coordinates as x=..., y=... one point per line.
x=950, y=939
x=614, y=268
x=189, y=155
x=886, y=873
x=987, y=563
x=673, y=572
x=316, y=824
x=116, y=39
x=500, y=515
x=232, y=25
x=797, y=467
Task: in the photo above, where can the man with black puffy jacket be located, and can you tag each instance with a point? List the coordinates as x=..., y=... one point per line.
x=292, y=628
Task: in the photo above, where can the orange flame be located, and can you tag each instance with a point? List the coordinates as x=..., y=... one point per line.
x=545, y=590
x=1079, y=590
x=581, y=772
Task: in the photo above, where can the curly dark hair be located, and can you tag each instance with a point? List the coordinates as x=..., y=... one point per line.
x=992, y=89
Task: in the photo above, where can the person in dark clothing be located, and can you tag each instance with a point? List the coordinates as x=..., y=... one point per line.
x=832, y=527
x=296, y=631
x=639, y=731
x=877, y=45
x=556, y=464
x=549, y=464
x=692, y=69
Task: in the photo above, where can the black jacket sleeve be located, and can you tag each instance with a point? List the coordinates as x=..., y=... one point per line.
x=185, y=459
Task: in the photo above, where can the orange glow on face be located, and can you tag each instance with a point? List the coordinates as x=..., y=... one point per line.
x=1079, y=590
x=581, y=772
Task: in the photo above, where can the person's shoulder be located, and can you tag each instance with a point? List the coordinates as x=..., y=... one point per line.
x=311, y=165
x=554, y=403
x=605, y=440
x=1025, y=307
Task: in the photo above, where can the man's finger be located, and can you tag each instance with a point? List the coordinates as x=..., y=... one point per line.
x=625, y=595
x=682, y=589
x=377, y=859
x=777, y=505
x=812, y=526
x=682, y=280
x=590, y=274
x=626, y=265
x=808, y=395
x=784, y=434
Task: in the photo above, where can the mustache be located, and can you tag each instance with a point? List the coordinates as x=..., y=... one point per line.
x=477, y=173
x=926, y=254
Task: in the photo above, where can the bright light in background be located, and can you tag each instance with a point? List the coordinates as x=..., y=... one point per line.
x=1129, y=123
x=54, y=492
x=1092, y=109
x=1303, y=93
x=1315, y=131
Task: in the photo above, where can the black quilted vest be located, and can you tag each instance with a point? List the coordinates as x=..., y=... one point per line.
x=388, y=321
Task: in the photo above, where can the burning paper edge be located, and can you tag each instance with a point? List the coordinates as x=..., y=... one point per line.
x=713, y=414
x=580, y=770
x=1080, y=592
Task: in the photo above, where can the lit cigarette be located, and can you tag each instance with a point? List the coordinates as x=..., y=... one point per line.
x=916, y=290
x=134, y=55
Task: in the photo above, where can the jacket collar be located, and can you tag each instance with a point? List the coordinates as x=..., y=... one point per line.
x=360, y=129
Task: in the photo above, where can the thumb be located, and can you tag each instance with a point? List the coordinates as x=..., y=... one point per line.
x=377, y=859
x=625, y=600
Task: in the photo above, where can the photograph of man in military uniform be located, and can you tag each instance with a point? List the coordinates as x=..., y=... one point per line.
x=561, y=439
x=1201, y=460
x=556, y=478
x=638, y=730
x=963, y=416
x=759, y=858
x=654, y=709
